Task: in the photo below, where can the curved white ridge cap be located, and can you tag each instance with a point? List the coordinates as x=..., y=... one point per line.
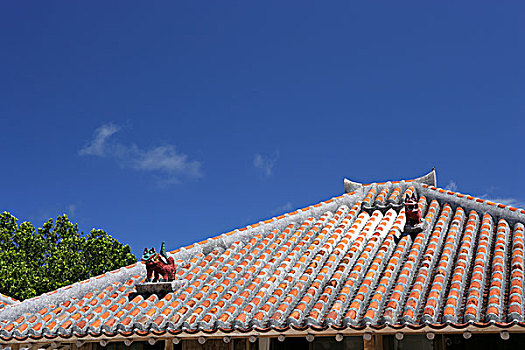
x=351, y=186
x=429, y=179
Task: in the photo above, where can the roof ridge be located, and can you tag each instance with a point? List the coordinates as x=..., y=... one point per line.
x=430, y=178
x=79, y=289
x=73, y=291
x=8, y=298
x=186, y=310
x=278, y=222
x=469, y=202
x=6, y=301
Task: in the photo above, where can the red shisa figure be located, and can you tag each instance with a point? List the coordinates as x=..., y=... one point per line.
x=413, y=224
x=159, y=267
x=412, y=212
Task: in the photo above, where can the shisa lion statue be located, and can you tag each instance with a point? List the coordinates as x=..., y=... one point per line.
x=413, y=224
x=159, y=267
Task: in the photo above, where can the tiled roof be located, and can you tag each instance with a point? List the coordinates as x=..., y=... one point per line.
x=337, y=264
x=6, y=301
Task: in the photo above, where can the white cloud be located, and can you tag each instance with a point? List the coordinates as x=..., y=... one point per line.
x=71, y=209
x=98, y=146
x=164, y=160
x=265, y=163
x=452, y=186
x=286, y=207
x=491, y=194
x=514, y=202
x=52, y=211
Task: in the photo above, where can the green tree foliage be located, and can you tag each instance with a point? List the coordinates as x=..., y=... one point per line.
x=33, y=261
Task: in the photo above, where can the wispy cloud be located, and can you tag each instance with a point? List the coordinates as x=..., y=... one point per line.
x=491, y=196
x=53, y=211
x=283, y=208
x=163, y=160
x=265, y=163
x=98, y=146
x=71, y=209
x=452, y=186
x=515, y=202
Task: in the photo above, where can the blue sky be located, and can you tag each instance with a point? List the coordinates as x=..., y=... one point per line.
x=179, y=121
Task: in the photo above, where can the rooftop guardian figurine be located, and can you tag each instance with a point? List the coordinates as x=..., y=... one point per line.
x=413, y=224
x=159, y=267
